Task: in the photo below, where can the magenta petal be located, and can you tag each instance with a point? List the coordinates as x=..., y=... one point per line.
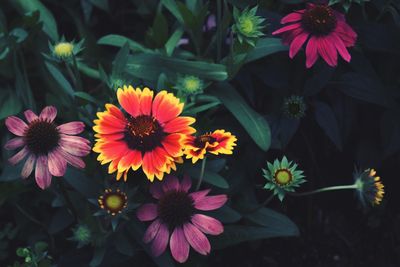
x=147, y=212
x=78, y=149
x=327, y=50
x=16, y=125
x=151, y=231
x=28, y=166
x=74, y=139
x=311, y=52
x=14, y=143
x=199, y=195
x=211, y=202
x=19, y=156
x=179, y=245
x=196, y=239
x=346, y=33
x=341, y=47
x=30, y=115
x=287, y=28
x=42, y=174
x=186, y=183
x=170, y=183
x=207, y=224
x=49, y=113
x=74, y=127
x=297, y=43
x=292, y=17
x=156, y=190
x=160, y=241
x=57, y=164
x=74, y=161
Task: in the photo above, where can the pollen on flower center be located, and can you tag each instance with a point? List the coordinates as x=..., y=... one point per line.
x=175, y=208
x=144, y=133
x=283, y=177
x=113, y=201
x=202, y=140
x=41, y=137
x=319, y=20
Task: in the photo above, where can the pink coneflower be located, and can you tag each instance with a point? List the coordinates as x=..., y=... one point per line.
x=325, y=29
x=46, y=144
x=177, y=220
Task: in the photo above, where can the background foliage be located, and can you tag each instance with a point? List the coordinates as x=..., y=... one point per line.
x=352, y=118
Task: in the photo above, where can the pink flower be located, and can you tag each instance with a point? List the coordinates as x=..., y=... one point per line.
x=46, y=144
x=176, y=218
x=325, y=29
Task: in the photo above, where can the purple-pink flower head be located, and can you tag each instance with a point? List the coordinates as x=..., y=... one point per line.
x=323, y=29
x=48, y=147
x=178, y=220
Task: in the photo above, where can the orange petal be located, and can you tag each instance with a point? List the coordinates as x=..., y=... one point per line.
x=129, y=100
x=180, y=125
x=132, y=159
x=172, y=143
x=166, y=107
x=146, y=99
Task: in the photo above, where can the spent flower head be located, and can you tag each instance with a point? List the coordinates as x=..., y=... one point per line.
x=82, y=235
x=369, y=187
x=294, y=107
x=189, y=85
x=247, y=25
x=283, y=176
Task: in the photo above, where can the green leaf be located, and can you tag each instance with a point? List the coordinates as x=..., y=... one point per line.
x=119, y=41
x=255, y=125
x=149, y=67
x=201, y=108
x=9, y=103
x=102, y=4
x=81, y=183
x=209, y=177
x=235, y=234
x=273, y=220
x=326, y=119
x=173, y=41
x=120, y=60
x=225, y=214
x=88, y=97
x=60, y=79
x=49, y=23
x=173, y=8
x=264, y=47
x=98, y=256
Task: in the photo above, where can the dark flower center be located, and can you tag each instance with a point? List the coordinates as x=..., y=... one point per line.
x=201, y=140
x=319, y=20
x=41, y=137
x=143, y=133
x=175, y=208
x=294, y=108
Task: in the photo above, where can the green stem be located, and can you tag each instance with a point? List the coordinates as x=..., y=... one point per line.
x=203, y=167
x=71, y=74
x=325, y=189
x=70, y=206
x=271, y=197
x=77, y=73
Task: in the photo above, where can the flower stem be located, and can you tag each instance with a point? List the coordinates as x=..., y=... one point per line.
x=271, y=197
x=77, y=73
x=324, y=189
x=70, y=206
x=219, y=29
x=203, y=167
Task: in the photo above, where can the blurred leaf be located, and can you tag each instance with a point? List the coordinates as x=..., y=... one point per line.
x=320, y=78
x=22, y=86
x=201, y=108
x=255, y=125
x=102, y=4
x=124, y=245
x=275, y=220
x=49, y=23
x=162, y=80
x=10, y=172
x=157, y=35
x=60, y=220
x=9, y=103
x=327, y=120
x=88, y=97
x=119, y=41
x=20, y=34
x=225, y=214
x=149, y=67
x=60, y=79
x=98, y=256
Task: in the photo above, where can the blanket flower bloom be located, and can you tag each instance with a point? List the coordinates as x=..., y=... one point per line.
x=369, y=187
x=113, y=201
x=177, y=219
x=325, y=29
x=217, y=142
x=50, y=146
x=148, y=134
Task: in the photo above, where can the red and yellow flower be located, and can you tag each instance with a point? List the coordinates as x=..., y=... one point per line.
x=147, y=132
x=217, y=142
